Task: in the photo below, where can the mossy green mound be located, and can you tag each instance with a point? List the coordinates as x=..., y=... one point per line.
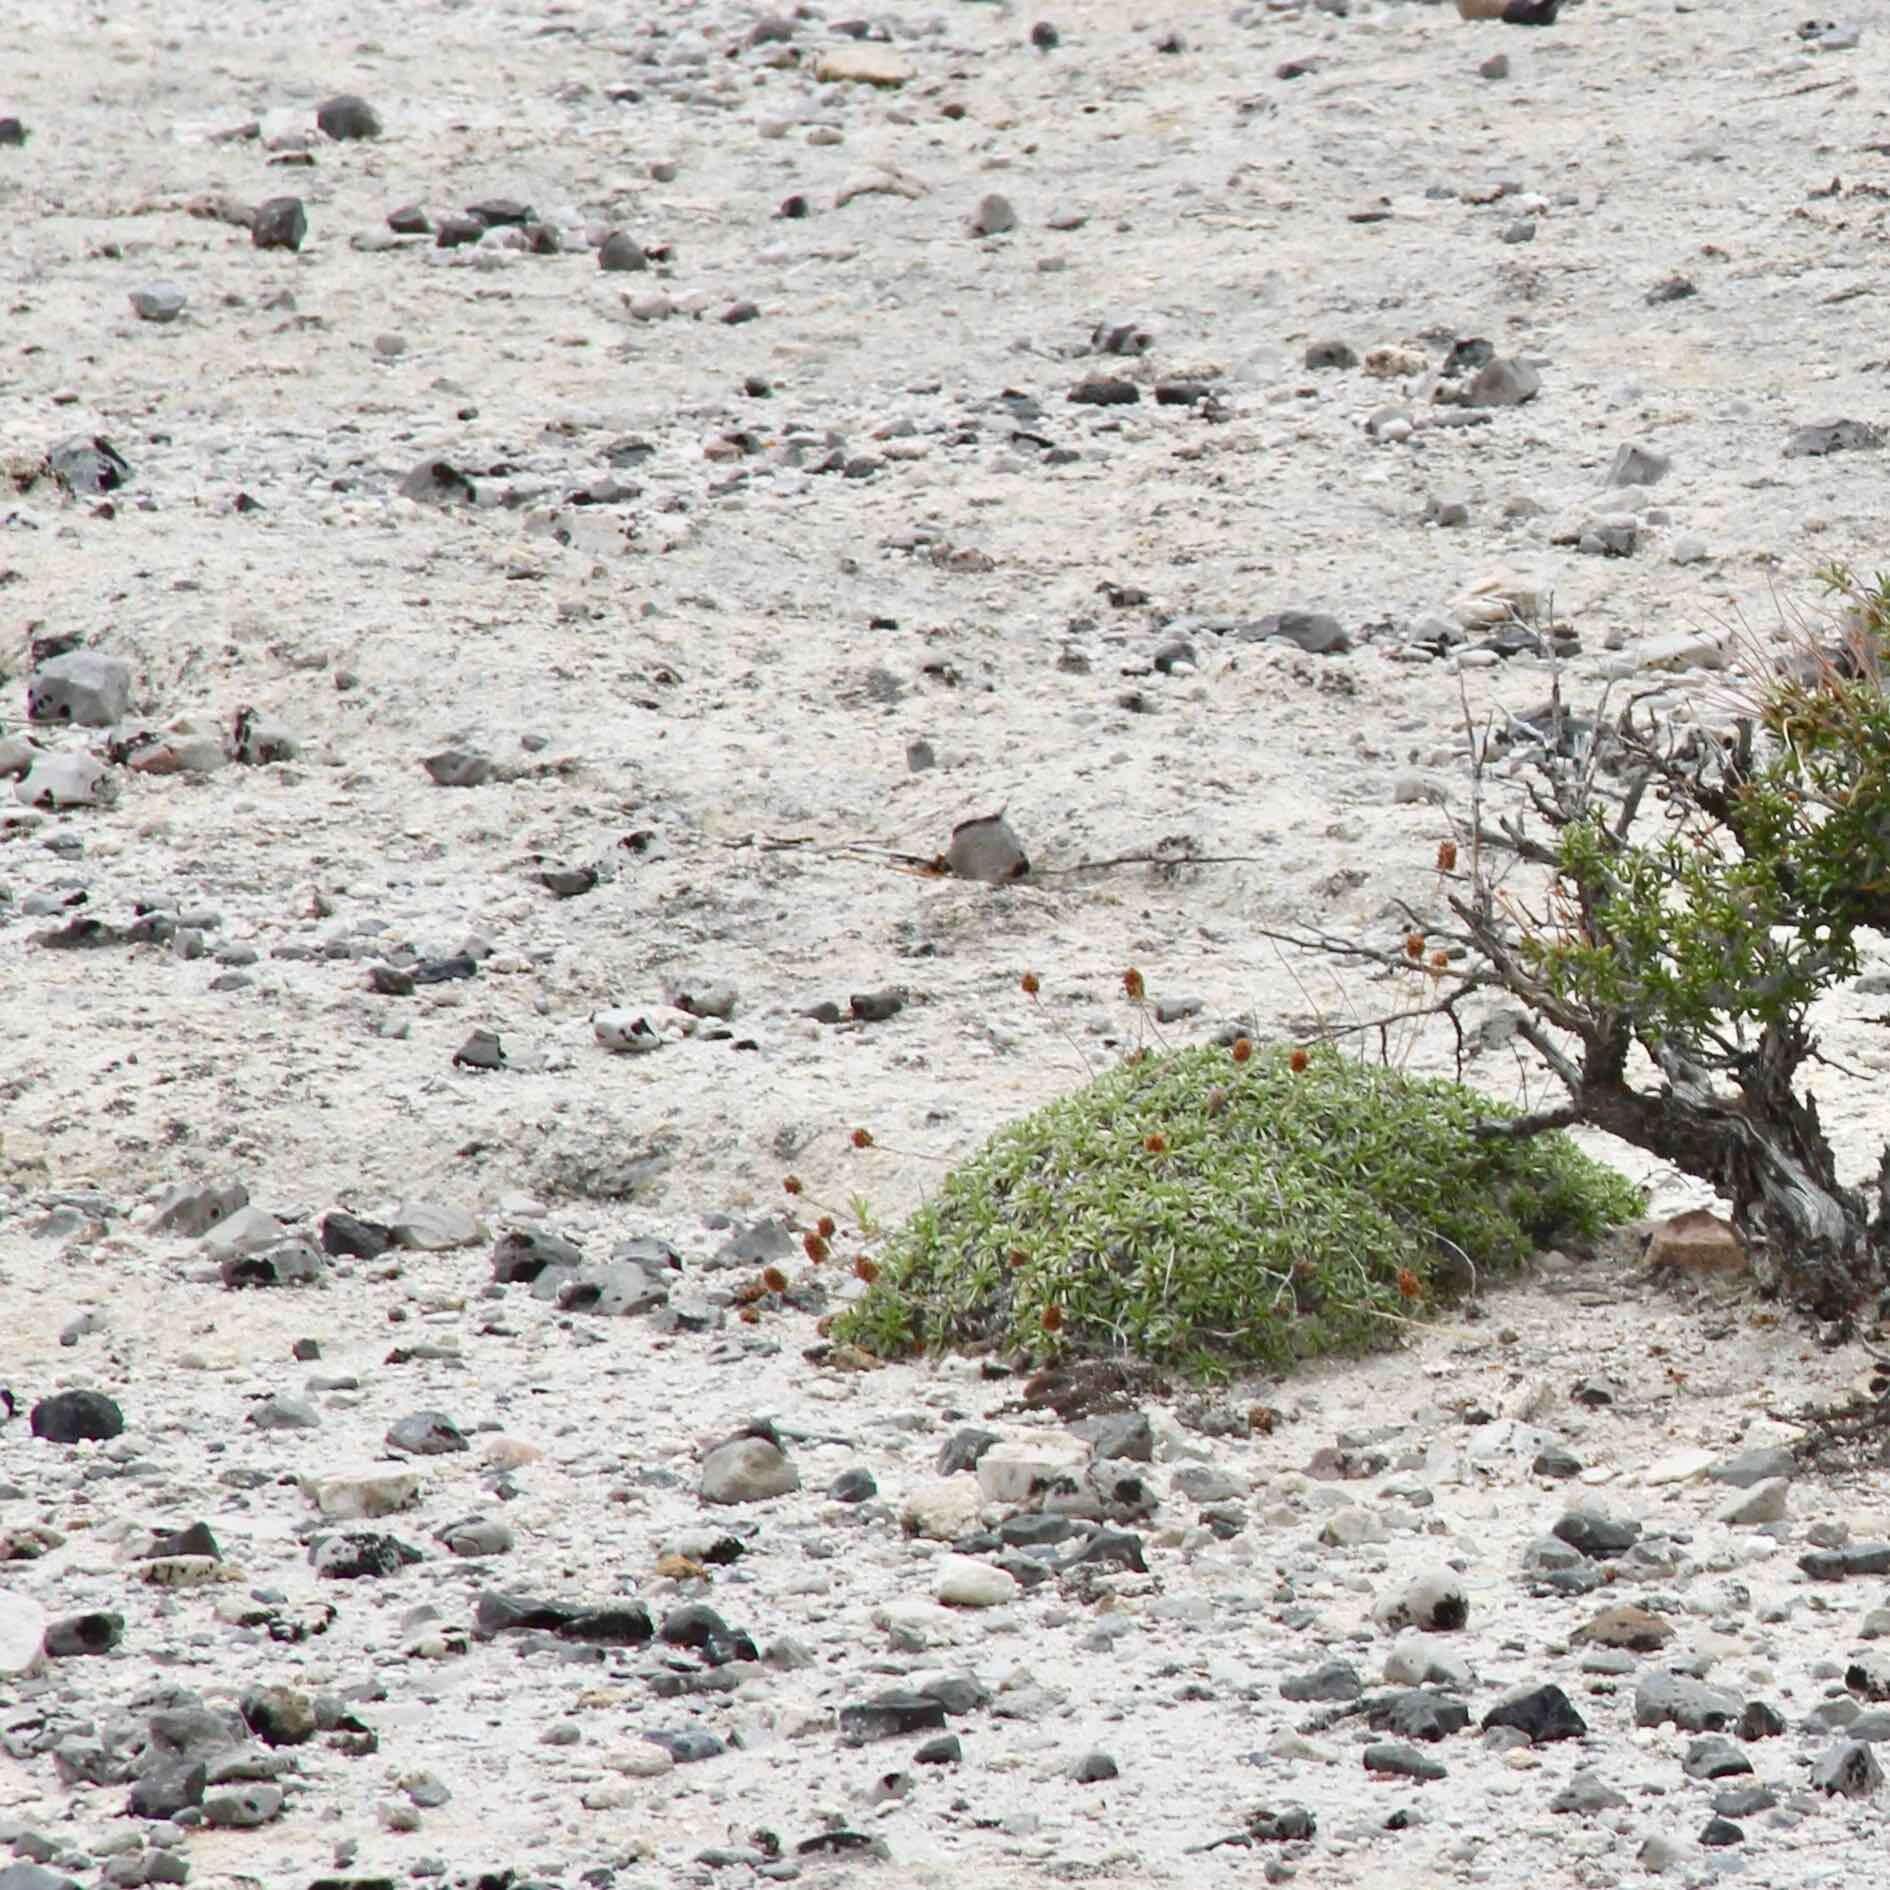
x=1189, y=1208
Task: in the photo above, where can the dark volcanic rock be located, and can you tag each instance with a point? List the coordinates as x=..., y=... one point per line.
x=71, y=1417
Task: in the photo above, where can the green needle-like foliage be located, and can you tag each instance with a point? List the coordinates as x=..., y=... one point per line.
x=1193, y=1208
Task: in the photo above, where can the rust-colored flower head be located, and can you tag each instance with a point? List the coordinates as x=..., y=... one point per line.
x=774, y=1279
x=1297, y=1061
x=865, y=1269
x=1030, y=984
x=1155, y=1142
x=814, y=1247
x=1446, y=856
x=792, y=1183
x=825, y=1227
x=1409, y=1285
x=862, y=1138
x=1019, y=1258
x=1414, y=945
x=823, y=1325
x=748, y=1316
x=1243, y=1049
x=1133, y=984
x=1052, y=1319
x=1440, y=960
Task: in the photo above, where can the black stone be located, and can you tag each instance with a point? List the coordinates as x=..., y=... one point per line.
x=1110, y=1548
x=1719, y=1833
x=455, y=232
x=1417, y=1713
x=853, y=1486
x=409, y=220
x=891, y=1715
x=962, y=1449
x=167, y=1788
x=344, y=1236
x=195, y=1540
x=78, y=1635
x=944, y=1750
x=347, y=115
x=692, y=1625
x=12, y=132
x=1104, y=390
x=1546, y=1715
x=279, y=223
x=71, y=1417
x=1597, y=1536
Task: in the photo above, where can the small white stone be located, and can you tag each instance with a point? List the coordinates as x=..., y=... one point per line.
x=22, y=1637
x=965, y=1582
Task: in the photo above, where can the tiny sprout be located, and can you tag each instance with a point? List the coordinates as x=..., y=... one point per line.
x=1029, y=984
x=1297, y=1061
x=1414, y=944
x=774, y=1279
x=748, y=1316
x=1409, y=1285
x=792, y=1183
x=1243, y=1049
x=862, y=1138
x=865, y=1269
x=814, y=1247
x=1052, y=1320
x=1133, y=984
x=1446, y=856
x=1155, y=1142
x=826, y=1227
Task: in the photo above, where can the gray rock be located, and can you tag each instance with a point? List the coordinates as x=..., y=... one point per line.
x=23, y=1627
x=747, y=1470
x=1206, y=1483
x=1502, y=383
x=1586, y=1795
x=280, y=1716
x=476, y=1536
x=433, y=1227
x=192, y=1208
x=1756, y=1466
x=1331, y=354
x=1123, y=1438
x=166, y=1787
x=1313, y=631
x=347, y=115
x=1336, y=1680
x=1848, y=1769
x=86, y=687
x=87, y=467
x=1833, y=436
x=621, y=254
x=1434, y=1601
x=288, y=1263
x=1595, y=1535
x=993, y=216
x=1401, y=1761
x=986, y=849
x=161, y=302
x=280, y=1412
x=279, y=223
x=1715, y=1757
x=1093, y=1768
x=82, y=1636
x=1638, y=466
x=426, y=1434
x=1692, y=1705
x=243, y=1809
x=1762, y=1503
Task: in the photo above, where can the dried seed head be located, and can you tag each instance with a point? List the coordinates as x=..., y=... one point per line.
x=792, y=1183
x=1440, y=960
x=1029, y=984
x=825, y=1227
x=1132, y=983
x=774, y=1279
x=748, y=1316
x=1243, y=1049
x=1155, y=1142
x=1414, y=944
x=1297, y=1061
x=865, y=1269
x=1446, y=856
x=1019, y=1258
x=1409, y=1285
x=823, y=1325
x=748, y=1292
x=1052, y=1319
x=1215, y=1100
x=862, y=1138
x=814, y=1247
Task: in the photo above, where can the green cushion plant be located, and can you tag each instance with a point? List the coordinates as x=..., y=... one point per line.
x=1211, y=1207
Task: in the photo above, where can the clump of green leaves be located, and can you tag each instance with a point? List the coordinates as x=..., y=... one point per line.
x=1208, y=1208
